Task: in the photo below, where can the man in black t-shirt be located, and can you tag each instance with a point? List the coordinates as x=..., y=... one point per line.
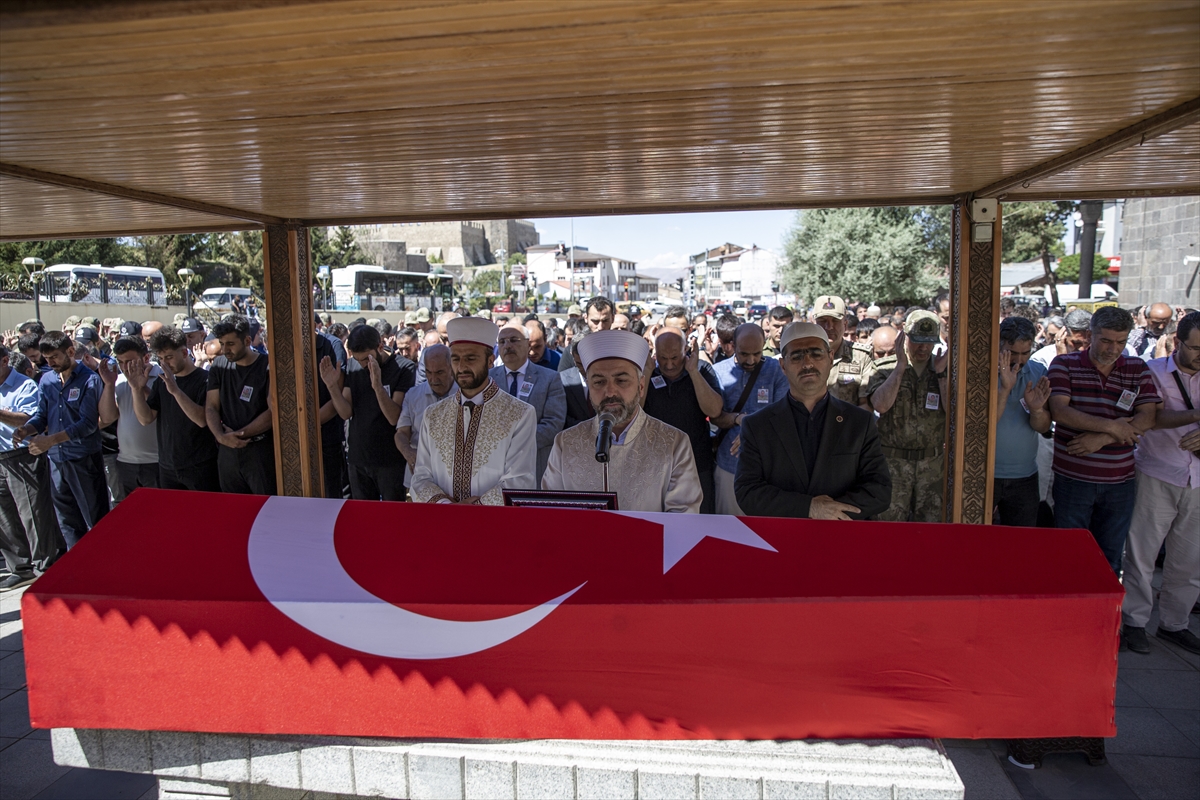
x=187, y=451
x=370, y=394
x=684, y=392
x=239, y=413
x=333, y=427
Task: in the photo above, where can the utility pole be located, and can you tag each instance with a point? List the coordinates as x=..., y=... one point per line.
x=1091, y=211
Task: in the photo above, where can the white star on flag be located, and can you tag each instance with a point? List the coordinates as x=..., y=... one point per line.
x=682, y=532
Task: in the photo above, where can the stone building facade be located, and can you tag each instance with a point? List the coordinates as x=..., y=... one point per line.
x=456, y=245
x=1160, y=252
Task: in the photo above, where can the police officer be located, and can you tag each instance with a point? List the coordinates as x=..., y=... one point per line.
x=909, y=395
x=849, y=362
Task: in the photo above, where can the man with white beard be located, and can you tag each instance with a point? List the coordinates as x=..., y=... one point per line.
x=651, y=466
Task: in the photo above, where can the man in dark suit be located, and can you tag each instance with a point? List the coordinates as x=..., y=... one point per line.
x=811, y=454
x=529, y=383
x=579, y=405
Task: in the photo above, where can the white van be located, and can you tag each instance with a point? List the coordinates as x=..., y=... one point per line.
x=1069, y=293
x=219, y=299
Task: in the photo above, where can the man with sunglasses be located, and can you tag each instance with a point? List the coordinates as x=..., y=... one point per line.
x=811, y=454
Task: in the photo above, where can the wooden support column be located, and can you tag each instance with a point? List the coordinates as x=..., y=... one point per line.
x=974, y=359
x=287, y=284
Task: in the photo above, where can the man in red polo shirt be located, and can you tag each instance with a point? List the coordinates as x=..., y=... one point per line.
x=1101, y=402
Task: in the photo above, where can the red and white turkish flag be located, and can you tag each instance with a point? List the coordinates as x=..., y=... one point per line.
x=228, y=613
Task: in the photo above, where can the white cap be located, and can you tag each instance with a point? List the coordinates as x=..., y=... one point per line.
x=472, y=330
x=801, y=330
x=516, y=326
x=613, y=344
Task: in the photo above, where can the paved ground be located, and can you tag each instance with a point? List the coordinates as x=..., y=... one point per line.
x=1155, y=755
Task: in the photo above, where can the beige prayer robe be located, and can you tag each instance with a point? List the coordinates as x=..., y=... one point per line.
x=653, y=469
x=462, y=455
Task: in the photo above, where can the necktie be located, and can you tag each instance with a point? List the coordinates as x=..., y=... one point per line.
x=512, y=384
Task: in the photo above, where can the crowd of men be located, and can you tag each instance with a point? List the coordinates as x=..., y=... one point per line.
x=836, y=412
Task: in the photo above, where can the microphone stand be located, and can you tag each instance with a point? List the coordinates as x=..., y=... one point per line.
x=603, y=442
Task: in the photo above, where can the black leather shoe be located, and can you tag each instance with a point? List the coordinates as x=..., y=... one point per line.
x=1184, y=638
x=1135, y=639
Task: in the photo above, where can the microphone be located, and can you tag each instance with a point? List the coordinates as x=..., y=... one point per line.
x=604, y=438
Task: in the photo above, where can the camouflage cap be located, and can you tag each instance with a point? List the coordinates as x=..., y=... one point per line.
x=829, y=306
x=410, y=318
x=71, y=322
x=423, y=314
x=923, y=327
x=93, y=321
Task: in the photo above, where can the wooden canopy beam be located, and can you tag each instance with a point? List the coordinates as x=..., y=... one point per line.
x=126, y=193
x=1138, y=133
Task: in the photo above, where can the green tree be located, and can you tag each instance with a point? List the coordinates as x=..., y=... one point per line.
x=1068, y=268
x=1035, y=230
x=242, y=258
x=878, y=254
x=344, y=248
x=322, y=248
x=485, y=281
x=515, y=258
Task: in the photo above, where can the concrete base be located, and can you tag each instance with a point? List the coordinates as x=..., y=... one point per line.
x=202, y=765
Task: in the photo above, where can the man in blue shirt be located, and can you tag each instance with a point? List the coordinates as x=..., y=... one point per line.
x=29, y=538
x=749, y=383
x=1023, y=391
x=539, y=354
x=66, y=425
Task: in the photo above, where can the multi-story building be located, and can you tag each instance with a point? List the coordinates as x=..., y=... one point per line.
x=731, y=272
x=587, y=273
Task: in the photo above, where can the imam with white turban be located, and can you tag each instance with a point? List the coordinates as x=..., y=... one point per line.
x=477, y=446
x=651, y=466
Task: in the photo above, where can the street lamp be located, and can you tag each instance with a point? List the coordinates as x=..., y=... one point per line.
x=500, y=254
x=185, y=275
x=36, y=275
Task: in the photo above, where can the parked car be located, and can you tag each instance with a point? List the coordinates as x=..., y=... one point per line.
x=757, y=311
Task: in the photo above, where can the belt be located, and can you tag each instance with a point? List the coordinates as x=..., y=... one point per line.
x=912, y=455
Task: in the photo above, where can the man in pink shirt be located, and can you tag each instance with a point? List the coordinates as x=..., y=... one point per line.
x=1168, y=501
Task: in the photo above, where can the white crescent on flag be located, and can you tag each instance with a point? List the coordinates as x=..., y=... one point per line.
x=296, y=566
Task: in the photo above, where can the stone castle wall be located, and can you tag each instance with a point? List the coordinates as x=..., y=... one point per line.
x=1158, y=233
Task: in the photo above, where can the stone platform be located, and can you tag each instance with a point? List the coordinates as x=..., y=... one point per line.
x=191, y=765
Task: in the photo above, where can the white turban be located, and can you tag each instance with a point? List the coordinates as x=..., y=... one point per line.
x=472, y=330
x=613, y=344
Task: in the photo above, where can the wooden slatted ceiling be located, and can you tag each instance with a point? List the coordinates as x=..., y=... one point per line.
x=1169, y=164
x=32, y=209
x=359, y=111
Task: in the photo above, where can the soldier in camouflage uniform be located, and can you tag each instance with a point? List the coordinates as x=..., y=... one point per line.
x=910, y=398
x=849, y=361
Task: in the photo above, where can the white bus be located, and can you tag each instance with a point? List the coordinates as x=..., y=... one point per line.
x=363, y=287
x=75, y=283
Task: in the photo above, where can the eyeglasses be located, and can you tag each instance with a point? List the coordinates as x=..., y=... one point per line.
x=811, y=354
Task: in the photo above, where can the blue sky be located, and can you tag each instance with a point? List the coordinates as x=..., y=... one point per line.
x=666, y=240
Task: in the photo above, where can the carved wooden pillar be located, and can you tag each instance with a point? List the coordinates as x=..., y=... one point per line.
x=287, y=282
x=974, y=358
